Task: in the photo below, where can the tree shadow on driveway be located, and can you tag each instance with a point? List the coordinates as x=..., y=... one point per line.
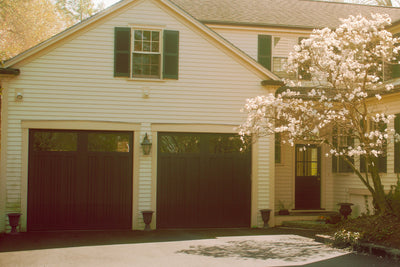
x=286, y=248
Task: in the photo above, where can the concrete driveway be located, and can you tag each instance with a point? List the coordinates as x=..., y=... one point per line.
x=218, y=247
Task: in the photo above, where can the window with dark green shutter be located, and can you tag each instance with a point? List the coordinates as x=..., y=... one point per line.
x=144, y=58
x=171, y=54
x=122, y=51
x=397, y=145
x=265, y=50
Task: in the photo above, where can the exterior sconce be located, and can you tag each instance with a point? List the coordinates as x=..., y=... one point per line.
x=146, y=145
x=19, y=97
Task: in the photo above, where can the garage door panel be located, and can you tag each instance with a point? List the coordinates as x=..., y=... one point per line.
x=208, y=187
x=79, y=189
x=44, y=175
x=175, y=179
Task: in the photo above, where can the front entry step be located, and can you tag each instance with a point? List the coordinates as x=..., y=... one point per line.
x=313, y=224
x=303, y=218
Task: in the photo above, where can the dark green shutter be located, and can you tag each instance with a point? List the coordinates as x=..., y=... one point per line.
x=304, y=74
x=335, y=144
x=265, y=50
x=397, y=145
x=345, y=165
x=277, y=147
x=395, y=70
x=171, y=54
x=382, y=160
x=122, y=51
x=363, y=167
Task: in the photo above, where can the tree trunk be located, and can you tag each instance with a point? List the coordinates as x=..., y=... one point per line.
x=379, y=195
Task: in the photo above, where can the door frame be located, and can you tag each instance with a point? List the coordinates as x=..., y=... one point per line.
x=258, y=159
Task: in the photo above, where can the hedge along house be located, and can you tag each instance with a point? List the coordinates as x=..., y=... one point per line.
x=77, y=108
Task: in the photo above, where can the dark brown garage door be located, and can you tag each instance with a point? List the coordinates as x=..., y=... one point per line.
x=203, y=180
x=79, y=180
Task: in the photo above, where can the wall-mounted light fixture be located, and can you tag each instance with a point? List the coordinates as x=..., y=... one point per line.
x=19, y=96
x=146, y=145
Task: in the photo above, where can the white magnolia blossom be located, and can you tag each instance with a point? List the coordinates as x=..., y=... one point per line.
x=346, y=66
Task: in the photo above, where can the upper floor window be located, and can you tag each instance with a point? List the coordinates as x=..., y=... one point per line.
x=145, y=53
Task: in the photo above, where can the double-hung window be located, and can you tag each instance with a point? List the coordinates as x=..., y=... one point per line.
x=146, y=53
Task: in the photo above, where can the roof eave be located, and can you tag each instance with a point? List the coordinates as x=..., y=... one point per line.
x=249, y=24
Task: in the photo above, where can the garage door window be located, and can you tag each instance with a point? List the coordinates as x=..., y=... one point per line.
x=180, y=143
x=108, y=142
x=55, y=141
x=222, y=144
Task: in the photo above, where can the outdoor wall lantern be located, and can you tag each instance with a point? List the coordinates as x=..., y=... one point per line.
x=19, y=96
x=146, y=145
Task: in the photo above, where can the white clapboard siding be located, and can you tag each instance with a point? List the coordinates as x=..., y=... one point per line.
x=74, y=81
x=284, y=178
x=265, y=175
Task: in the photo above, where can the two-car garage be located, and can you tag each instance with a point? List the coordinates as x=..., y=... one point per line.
x=83, y=180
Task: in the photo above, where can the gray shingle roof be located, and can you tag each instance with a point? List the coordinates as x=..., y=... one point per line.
x=285, y=13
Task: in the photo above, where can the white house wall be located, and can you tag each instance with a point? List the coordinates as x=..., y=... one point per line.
x=73, y=81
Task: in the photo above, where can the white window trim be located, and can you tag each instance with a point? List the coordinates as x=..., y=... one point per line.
x=147, y=27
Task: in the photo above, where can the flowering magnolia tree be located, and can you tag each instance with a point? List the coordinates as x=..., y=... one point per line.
x=337, y=105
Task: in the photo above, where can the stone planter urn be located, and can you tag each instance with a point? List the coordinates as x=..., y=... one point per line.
x=13, y=218
x=265, y=214
x=147, y=216
x=345, y=209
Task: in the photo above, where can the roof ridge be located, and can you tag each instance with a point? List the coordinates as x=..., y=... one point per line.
x=350, y=3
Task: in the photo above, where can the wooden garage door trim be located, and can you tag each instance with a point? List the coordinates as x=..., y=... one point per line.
x=84, y=180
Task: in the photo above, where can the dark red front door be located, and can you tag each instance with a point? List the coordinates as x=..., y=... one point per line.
x=308, y=178
x=79, y=180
